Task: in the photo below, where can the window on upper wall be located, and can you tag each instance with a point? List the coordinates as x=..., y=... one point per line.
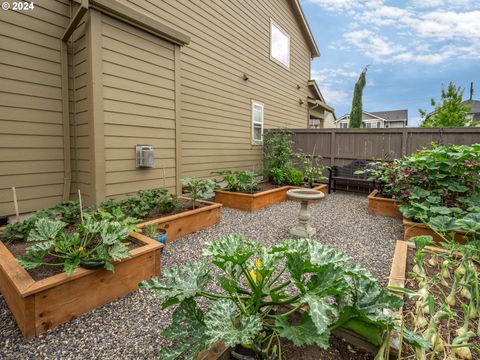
x=343, y=125
x=257, y=122
x=279, y=45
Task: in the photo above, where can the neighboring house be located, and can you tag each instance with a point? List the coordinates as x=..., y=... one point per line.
x=378, y=119
x=474, y=112
x=321, y=115
x=84, y=82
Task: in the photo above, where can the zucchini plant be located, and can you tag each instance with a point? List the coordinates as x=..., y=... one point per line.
x=260, y=289
x=89, y=244
x=240, y=181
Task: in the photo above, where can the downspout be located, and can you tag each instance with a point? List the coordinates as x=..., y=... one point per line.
x=67, y=177
x=67, y=165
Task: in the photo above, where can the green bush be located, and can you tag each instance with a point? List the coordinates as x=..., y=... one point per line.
x=294, y=177
x=436, y=186
x=240, y=181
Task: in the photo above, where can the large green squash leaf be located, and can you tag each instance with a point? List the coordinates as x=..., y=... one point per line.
x=323, y=313
x=177, y=285
x=46, y=230
x=34, y=255
x=220, y=323
x=187, y=333
x=443, y=224
x=305, y=333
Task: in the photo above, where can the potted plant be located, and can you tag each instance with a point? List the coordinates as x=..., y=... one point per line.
x=98, y=259
x=261, y=288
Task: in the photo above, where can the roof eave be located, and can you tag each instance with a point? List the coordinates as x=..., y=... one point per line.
x=297, y=8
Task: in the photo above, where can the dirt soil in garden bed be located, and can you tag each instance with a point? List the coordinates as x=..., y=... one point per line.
x=339, y=350
x=18, y=248
x=185, y=205
x=446, y=330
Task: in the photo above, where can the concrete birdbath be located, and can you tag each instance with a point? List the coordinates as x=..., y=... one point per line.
x=303, y=229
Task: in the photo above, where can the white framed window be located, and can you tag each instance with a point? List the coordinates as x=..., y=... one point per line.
x=367, y=125
x=257, y=122
x=279, y=45
x=343, y=125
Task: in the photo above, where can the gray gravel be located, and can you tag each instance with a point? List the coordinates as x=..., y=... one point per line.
x=130, y=327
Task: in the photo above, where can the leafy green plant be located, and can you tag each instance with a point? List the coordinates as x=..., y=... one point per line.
x=450, y=111
x=277, y=153
x=294, y=177
x=242, y=181
x=198, y=188
x=261, y=288
x=278, y=176
x=312, y=170
x=93, y=243
x=150, y=230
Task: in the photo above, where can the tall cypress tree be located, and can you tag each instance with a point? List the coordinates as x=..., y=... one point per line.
x=357, y=106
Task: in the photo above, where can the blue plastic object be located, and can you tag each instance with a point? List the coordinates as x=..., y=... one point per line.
x=162, y=238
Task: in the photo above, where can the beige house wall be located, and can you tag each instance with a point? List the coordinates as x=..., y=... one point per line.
x=329, y=121
x=31, y=123
x=127, y=86
x=230, y=39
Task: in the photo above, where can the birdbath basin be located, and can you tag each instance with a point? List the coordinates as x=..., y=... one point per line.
x=303, y=229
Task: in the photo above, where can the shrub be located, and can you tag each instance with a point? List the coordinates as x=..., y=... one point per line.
x=294, y=177
x=277, y=153
x=278, y=176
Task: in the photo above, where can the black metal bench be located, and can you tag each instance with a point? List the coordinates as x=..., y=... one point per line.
x=344, y=178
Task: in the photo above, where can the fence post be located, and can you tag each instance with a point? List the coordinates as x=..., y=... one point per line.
x=404, y=141
x=332, y=148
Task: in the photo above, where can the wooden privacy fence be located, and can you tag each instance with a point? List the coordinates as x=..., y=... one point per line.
x=341, y=146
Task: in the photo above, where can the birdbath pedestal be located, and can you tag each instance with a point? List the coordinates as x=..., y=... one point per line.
x=303, y=229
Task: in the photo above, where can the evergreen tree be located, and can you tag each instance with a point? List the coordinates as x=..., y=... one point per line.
x=449, y=111
x=357, y=106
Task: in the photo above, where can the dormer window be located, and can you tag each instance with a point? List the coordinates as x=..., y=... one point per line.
x=279, y=45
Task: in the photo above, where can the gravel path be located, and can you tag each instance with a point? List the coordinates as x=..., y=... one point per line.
x=130, y=328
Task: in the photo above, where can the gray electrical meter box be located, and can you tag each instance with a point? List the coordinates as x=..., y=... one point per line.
x=144, y=157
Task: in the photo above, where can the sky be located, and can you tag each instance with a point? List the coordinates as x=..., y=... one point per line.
x=412, y=47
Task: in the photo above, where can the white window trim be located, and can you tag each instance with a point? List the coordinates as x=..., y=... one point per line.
x=287, y=66
x=257, y=103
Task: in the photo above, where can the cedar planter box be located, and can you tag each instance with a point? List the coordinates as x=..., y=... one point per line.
x=41, y=305
x=252, y=202
x=187, y=222
x=411, y=229
x=383, y=206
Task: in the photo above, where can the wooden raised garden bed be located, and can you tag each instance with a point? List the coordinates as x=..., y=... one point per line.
x=187, y=222
x=41, y=305
x=411, y=229
x=383, y=206
x=252, y=202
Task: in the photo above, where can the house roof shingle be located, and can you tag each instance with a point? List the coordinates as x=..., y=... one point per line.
x=393, y=115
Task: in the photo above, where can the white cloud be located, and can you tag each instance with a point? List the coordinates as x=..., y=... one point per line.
x=372, y=44
x=333, y=96
x=421, y=31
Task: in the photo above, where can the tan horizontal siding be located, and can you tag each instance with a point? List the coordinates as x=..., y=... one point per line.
x=80, y=117
x=230, y=38
x=139, y=107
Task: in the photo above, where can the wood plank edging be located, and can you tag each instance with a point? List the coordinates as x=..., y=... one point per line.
x=52, y=281
x=210, y=206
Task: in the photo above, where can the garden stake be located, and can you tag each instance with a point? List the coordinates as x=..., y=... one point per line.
x=15, y=203
x=80, y=204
